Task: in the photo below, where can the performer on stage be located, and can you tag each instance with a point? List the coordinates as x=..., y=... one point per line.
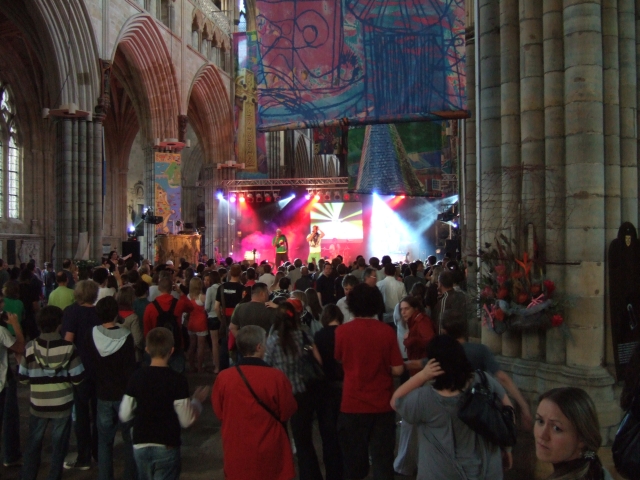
x=282, y=247
x=314, y=239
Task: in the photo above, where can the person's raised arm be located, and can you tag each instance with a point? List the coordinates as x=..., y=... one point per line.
x=428, y=373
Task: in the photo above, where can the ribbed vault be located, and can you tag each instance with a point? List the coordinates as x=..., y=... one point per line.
x=143, y=64
x=210, y=115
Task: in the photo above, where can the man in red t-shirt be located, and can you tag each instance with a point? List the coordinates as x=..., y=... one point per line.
x=370, y=356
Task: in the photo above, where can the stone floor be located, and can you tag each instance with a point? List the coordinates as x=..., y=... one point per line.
x=202, y=448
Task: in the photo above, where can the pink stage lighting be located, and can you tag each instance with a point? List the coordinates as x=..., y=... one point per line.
x=232, y=199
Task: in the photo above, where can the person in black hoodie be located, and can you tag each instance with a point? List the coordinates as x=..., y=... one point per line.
x=114, y=359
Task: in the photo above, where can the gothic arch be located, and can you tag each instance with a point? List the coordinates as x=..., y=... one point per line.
x=210, y=115
x=191, y=165
x=151, y=80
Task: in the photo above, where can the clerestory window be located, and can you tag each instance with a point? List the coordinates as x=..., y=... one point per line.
x=10, y=156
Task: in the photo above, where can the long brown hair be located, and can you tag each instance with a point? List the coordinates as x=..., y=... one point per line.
x=577, y=406
x=285, y=324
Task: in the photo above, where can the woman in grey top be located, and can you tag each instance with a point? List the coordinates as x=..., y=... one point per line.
x=448, y=448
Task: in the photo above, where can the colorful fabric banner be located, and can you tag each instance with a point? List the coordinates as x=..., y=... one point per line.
x=337, y=62
x=330, y=140
x=168, y=192
x=415, y=158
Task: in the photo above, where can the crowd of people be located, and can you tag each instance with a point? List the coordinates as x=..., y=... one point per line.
x=359, y=348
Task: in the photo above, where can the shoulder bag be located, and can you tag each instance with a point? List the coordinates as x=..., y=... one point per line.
x=626, y=446
x=482, y=410
x=260, y=402
x=310, y=369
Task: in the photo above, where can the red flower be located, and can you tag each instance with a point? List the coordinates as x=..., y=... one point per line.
x=498, y=314
x=501, y=279
x=487, y=292
x=523, y=298
x=549, y=286
x=557, y=320
x=500, y=269
x=502, y=293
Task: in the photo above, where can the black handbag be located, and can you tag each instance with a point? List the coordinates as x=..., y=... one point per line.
x=626, y=446
x=481, y=409
x=310, y=369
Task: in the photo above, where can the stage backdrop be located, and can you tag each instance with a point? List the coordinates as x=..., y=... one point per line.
x=168, y=190
x=425, y=152
x=329, y=62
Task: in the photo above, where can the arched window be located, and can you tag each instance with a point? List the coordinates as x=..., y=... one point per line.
x=10, y=157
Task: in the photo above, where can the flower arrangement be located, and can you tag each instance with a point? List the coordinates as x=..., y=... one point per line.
x=514, y=293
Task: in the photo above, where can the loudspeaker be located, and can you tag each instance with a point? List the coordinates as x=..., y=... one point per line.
x=132, y=248
x=11, y=252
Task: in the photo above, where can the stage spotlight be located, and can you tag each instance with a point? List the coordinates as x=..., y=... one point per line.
x=402, y=196
x=327, y=197
x=250, y=198
x=336, y=196
x=219, y=196
x=232, y=198
x=346, y=197
x=259, y=198
x=316, y=197
x=307, y=196
x=242, y=199
x=268, y=197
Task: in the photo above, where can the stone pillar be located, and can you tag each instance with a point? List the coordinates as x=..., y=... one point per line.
x=510, y=133
x=63, y=192
x=78, y=186
x=470, y=219
x=490, y=134
x=552, y=45
x=82, y=177
x=96, y=236
x=628, y=110
x=212, y=233
x=585, y=173
x=532, y=136
x=150, y=201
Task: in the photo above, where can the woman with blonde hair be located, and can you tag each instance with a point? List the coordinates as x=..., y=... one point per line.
x=567, y=435
x=197, y=325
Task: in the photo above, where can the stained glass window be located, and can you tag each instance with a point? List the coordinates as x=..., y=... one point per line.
x=10, y=157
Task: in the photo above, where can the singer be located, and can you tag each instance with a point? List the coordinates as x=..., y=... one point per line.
x=314, y=239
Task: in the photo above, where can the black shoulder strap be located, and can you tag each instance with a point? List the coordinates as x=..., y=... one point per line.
x=172, y=308
x=157, y=305
x=260, y=402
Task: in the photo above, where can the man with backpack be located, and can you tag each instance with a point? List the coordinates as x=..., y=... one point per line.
x=166, y=311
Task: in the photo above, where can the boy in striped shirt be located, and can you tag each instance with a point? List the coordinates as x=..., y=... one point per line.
x=50, y=365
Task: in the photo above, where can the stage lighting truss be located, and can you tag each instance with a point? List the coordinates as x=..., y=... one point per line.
x=259, y=198
x=250, y=198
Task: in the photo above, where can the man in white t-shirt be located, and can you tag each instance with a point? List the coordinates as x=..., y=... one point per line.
x=315, y=239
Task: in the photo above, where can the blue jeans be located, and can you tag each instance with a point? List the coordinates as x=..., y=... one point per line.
x=61, y=430
x=11, y=423
x=108, y=423
x=158, y=463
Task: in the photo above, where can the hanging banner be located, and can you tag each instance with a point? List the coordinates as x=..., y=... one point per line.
x=338, y=62
x=413, y=158
x=168, y=193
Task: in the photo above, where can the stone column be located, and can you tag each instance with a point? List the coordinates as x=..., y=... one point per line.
x=490, y=134
x=73, y=184
x=96, y=237
x=90, y=187
x=82, y=178
x=532, y=136
x=470, y=230
x=510, y=132
x=585, y=173
x=63, y=191
x=212, y=233
x=150, y=201
x=553, y=43
x=628, y=110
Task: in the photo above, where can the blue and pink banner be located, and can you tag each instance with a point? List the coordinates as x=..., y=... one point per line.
x=338, y=62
